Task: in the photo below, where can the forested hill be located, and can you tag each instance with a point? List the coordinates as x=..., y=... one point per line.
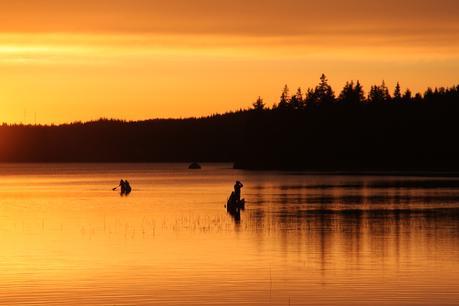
x=318, y=129
x=213, y=139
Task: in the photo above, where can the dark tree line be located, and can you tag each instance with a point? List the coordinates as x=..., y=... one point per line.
x=316, y=129
x=354, y=131
x=160, y=140
x=352, y=95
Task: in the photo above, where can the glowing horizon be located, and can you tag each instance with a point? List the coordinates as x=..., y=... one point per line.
x=153, y=59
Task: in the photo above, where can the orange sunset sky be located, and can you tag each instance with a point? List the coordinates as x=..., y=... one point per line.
x=137, y=59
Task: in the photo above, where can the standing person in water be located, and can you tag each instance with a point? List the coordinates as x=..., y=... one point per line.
x=237, y=190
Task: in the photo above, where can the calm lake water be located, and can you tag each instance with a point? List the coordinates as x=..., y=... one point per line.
x=304, y=239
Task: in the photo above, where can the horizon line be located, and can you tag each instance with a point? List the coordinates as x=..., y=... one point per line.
x=209, y=115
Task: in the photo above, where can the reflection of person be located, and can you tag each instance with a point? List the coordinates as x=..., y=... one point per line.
x=237, y=190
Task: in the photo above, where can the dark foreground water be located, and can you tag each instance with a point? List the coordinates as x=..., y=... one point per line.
x=304, y=239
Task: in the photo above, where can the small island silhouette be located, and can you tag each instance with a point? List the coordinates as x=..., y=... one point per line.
x=312, y=130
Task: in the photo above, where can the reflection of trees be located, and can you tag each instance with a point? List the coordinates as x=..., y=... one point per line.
x=330, y=225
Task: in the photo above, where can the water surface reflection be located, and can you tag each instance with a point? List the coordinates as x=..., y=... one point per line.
x=303, y=239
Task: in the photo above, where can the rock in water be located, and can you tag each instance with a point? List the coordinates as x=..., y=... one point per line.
x=195, y=166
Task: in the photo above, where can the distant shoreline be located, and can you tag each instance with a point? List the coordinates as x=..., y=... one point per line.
x=319, y=131
x=230, y=165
